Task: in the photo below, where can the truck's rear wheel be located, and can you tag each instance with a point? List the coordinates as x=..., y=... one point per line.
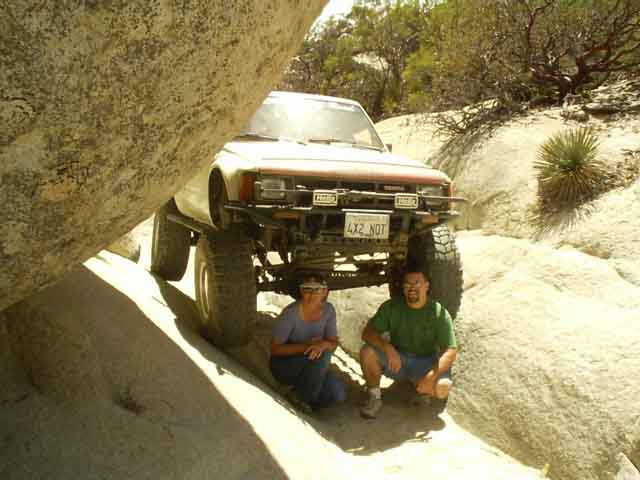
x=437, y=253
x=170, y=245
x=225, y=287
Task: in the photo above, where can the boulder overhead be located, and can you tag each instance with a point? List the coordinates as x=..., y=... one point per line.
x=107, y=110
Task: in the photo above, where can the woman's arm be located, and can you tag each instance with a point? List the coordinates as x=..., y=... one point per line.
x=288, y=349
x=330, y=340
x=317, y=347
x=331, y=343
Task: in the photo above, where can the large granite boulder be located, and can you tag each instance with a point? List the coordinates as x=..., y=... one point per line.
x=106, y=110
x=549, y=349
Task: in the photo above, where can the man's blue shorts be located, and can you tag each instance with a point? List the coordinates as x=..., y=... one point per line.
x=414, y=367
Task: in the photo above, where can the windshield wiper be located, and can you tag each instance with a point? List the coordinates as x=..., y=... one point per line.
x=366, y=147
x=268, y=138
x=257, y=136
x=329, y=141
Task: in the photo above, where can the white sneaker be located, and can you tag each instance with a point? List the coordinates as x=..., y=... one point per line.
x=371, y=407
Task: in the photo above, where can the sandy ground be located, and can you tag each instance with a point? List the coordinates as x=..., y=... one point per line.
x=105, y=377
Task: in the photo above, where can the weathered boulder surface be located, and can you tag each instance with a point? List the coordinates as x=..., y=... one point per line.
x=623, y=96
x=626, y=469
x=106, y=110
x=126, y=246
x=549, y=340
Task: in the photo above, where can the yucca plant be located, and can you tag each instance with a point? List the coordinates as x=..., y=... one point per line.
x=569, y=171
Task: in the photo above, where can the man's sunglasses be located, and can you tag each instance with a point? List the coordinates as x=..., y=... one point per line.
x=313, y=289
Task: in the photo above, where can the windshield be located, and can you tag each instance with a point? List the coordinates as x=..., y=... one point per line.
x=312, y=120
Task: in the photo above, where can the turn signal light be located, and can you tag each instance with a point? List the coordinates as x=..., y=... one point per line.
x=246, y=187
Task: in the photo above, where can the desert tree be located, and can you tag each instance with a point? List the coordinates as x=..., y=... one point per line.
x=572, y=43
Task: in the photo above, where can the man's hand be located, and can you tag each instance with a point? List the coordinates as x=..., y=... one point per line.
x=427, y=384
x=393, y=358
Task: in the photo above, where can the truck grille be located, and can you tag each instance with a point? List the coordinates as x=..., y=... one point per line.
x=305, y=187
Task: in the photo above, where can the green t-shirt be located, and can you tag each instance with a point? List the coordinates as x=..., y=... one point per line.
x=424, y=331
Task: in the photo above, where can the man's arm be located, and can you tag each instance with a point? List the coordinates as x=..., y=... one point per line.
x=445, y=362
x=447, y=343
x=429, y=382
x=371, y=336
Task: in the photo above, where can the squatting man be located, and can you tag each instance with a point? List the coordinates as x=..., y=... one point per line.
x=421, y=347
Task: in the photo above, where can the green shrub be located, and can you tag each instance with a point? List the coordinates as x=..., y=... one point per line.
x=569, y=172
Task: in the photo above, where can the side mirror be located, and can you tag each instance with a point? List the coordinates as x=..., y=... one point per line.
x=389, y=147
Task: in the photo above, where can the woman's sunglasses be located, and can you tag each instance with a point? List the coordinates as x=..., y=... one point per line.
x=312, y=289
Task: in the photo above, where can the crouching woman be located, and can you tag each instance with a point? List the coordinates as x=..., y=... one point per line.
x=303, y=342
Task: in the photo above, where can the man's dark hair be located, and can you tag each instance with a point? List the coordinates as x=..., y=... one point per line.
x=412, y=268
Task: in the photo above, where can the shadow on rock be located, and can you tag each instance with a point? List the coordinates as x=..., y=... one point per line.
x=188, y=323
x=110, y=395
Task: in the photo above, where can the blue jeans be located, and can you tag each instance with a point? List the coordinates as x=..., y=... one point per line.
x=313, y=381
x=414, y=367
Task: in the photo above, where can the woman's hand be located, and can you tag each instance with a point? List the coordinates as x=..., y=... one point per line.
x=316, y=348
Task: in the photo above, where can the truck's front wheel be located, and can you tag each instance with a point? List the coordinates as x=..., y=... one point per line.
x=170, y=245
x=437, y=253
x=225, y=288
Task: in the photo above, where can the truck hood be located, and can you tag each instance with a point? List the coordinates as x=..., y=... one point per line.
x=332, y=161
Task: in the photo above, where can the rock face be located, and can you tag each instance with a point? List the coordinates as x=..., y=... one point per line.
x=548, y=340
x=622, y=97
x=126, y=246
x=106, y=111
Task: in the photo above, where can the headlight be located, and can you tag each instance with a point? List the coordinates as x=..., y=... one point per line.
x=272, y=188
x=433, y=190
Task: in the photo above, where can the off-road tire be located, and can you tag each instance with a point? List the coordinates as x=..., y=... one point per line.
x=437, y=253
x=170, y=245
x=225, y=287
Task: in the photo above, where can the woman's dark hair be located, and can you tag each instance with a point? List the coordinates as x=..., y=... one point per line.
x=312, y=277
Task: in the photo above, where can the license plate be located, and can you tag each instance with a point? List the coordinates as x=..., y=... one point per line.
x=366, y=225
x=406, y=201
x=325, y=198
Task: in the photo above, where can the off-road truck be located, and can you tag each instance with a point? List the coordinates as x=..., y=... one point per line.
x=307, y=186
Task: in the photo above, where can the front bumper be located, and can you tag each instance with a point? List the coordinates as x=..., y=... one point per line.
x=284, y=217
